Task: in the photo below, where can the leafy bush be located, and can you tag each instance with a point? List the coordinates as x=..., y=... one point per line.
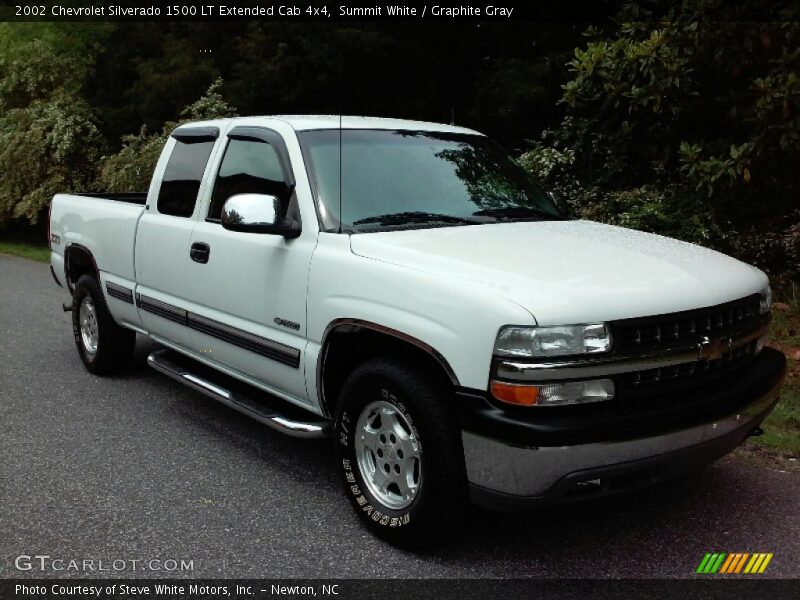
x=131, y=168
x=49, y=140
x=48, y=147
x=685, y=122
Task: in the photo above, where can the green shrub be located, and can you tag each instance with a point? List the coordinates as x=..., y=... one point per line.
x=684, y=122
x=131, y=168
x=50, y=146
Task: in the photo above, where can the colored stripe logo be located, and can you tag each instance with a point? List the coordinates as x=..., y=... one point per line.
x=734, y=563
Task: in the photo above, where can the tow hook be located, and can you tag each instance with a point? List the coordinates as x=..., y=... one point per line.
x=67, y=306
x=755, y=432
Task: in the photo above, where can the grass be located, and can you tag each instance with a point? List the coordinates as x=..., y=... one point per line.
x=781, y=428
x=25, y=250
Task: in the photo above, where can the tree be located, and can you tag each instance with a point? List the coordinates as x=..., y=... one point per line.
x=131, y=168
x=686, y=123
x=49, y=141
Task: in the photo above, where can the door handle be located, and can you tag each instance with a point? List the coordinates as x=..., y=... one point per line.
x=200, y=252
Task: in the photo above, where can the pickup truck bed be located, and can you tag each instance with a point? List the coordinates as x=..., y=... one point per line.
x=105, y=224
x=131, y=197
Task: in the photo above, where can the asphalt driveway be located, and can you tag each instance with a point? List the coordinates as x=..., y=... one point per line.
x=138, y=468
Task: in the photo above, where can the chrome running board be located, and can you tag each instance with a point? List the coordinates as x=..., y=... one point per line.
x=218, y=386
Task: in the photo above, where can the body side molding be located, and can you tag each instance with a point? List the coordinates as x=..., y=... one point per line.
x=244, y=339
x=120, y=292
x=238, y=337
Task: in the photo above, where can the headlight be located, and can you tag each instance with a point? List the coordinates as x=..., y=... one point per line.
x=552, y=341
x=765, y=301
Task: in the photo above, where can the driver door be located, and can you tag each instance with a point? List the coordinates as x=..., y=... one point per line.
x=250, y=288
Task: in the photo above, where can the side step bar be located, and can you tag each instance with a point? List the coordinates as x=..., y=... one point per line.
x=178, y=367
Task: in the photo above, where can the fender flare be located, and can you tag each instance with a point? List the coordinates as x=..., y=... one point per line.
x=355, y=324
x=67, y=252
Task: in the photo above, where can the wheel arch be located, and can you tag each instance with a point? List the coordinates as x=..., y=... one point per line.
x=78, y=260
x=334, y=364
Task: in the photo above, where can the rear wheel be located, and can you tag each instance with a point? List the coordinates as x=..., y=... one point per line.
x=104, y=346
x=400, y=455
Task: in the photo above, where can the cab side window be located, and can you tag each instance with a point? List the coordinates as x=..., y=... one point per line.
x=181, y=181
x=249, y=166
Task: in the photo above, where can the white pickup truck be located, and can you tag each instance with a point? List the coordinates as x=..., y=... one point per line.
x=407, y=289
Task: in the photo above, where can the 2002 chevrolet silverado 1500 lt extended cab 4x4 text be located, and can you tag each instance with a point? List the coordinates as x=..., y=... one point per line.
x=408, y=289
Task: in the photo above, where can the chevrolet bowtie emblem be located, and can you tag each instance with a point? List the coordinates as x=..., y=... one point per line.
x=714, y=349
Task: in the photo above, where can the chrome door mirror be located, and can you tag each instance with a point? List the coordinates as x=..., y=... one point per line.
x=257, y=213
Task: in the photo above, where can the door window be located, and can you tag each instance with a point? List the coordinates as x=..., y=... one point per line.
x=248, y=167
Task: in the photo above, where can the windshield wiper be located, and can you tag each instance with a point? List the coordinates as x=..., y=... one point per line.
x=401, y=218
x=517, y=213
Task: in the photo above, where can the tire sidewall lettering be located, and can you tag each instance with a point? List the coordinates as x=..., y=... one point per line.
x=375, y=514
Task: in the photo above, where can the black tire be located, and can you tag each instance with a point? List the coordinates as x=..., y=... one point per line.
x=441, y=496
x=115, y=344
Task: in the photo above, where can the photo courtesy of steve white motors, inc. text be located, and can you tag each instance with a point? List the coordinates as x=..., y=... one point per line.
x=222, y=11
x=171, y=589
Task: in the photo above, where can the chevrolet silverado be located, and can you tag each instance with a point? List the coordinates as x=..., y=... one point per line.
x=408, y=290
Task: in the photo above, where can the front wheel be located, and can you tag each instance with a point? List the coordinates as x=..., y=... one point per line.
x=400, y=454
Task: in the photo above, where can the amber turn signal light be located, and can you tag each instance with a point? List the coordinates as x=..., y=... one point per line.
x=521, y=395
x=554, y=394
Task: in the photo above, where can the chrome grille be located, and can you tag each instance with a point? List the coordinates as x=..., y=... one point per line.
x=635, y=335
x=689, y=372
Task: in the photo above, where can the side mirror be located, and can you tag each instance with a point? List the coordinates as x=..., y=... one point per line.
x=257, y=213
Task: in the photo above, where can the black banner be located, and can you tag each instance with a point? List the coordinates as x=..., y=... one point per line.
x=303, y=10
x=503, y=11
x=257, y=589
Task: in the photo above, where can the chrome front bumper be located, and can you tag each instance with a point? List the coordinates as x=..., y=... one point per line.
x=508, y=475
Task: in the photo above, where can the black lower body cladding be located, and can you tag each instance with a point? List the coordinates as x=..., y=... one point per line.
x=614, y=421
x=516, y=458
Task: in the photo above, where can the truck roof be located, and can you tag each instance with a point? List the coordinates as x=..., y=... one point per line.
x=308, y=122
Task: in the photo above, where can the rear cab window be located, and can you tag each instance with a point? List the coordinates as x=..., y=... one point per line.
x=183, y=174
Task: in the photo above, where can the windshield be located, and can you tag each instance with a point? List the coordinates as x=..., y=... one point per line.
x=401, y=179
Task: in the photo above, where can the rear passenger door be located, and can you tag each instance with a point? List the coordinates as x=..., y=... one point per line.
x=163, y=239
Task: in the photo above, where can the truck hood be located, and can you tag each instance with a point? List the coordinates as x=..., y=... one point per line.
x=566, y=272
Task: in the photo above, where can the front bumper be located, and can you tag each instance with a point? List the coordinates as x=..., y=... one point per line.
x=516, y=464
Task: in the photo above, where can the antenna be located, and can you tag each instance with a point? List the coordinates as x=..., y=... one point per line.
x=452, y=116
x=341, y=107
x=340, y=170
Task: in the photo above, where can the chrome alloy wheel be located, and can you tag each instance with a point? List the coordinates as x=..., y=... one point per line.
x=388, y=455
x=87, y=318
